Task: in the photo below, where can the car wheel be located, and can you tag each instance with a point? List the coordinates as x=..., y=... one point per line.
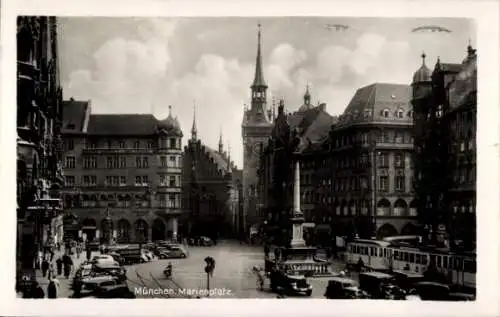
x=309, y=293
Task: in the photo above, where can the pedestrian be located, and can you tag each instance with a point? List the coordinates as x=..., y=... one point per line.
x=52, y=288
x=52, y=270
x=38, y=291
x=68, y=263
x=45, y=267
x=266, y=250
x=59, y=264
x=52, y=253
x=89, y=253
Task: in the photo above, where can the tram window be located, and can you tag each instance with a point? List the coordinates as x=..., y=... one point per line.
x=417, y=258
x=405, y=256
x=412, y=257
x=438, y=262
x=424, y=259
x=353, y=249
x=450, y=263
x=445, y=262
x=433, y=258
x=385, y=252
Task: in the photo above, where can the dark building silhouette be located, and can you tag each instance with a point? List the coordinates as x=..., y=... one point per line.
x=39, y=146
x=445, y=150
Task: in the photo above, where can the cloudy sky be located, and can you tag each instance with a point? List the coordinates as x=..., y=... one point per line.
x=143, y=65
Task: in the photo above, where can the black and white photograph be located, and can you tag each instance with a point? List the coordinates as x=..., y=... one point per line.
x=247, y=157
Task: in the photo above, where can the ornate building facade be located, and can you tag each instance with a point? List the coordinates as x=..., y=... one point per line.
x=295, y=136
x=212, y=189
x=256, y=130
x=122, y=175
x=39, y=151
x=371, y=150
x=445, y=158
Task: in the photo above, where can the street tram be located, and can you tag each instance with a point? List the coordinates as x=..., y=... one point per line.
x=398, y=255
x=373, y=253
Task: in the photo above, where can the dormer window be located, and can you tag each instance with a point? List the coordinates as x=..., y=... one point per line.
x=385, y=113
x=368, y=112
x=400, y=113
x=410, y=113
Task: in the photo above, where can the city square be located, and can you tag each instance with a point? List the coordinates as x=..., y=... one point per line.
x=271, y=168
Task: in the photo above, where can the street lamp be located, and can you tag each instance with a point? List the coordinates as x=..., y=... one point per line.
x=109, y=225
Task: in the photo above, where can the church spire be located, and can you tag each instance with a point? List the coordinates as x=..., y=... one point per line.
x=221, y=145
x=194, y=131
x=259, y=76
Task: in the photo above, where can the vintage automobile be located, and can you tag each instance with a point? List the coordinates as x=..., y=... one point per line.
x=162, y=253
x=117, y=257
x=339, y=288
x=433, y=291
x=114, y=291
x=103, y=258
x=378, y=284
x=289, y=284
x=354, y=292
x=92, y=283
x=177, y=251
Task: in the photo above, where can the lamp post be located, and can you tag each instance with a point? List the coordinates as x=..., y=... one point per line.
x=373, y=173
x=109, y=227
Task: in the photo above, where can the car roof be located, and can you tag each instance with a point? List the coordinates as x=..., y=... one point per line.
x=339, y=279
x=377, y=274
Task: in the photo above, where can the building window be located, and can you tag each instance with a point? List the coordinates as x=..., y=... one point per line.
x=123, y=162
x=109, y=162
x=400, y=183
x=110, y=144
x=368, y=113
x=138, y=181
x=86, y=162
x=163, y=201
x=70, y=162
x=107, y=181
x=163, y=180
x=400, y=113
x=171, y=201
x=123, y=181
x=70, y=145
x=163, y=161
x=383, y=183
x=150, y=145
x=86, y=180
x=116, y=163
x=173, y=143
x=383, y=159
x=410, y=113
x=145, y=162
x=462, y=146
x=398, y=160
x=385, y=113
x=145, y=180
x=171, y=161
x=115, y=181
x=399, y=137
x=69, y=181
x=137, y=145
x=138, y=162
x=171, y=181
x=121, y=144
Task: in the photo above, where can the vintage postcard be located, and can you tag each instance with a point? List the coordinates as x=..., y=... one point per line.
x=290, y=157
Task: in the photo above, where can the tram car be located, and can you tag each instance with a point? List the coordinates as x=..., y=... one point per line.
x=395, y=254
x=373, y=253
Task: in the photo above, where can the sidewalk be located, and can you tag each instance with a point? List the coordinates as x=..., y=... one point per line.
x=64, y=290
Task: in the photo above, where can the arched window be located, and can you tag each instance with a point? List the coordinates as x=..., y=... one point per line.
x=400, y=113
x=385, y=113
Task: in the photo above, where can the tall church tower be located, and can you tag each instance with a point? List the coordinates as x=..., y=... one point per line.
x=256, y=130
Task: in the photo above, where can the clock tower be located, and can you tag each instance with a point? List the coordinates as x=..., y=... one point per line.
x=256, y=130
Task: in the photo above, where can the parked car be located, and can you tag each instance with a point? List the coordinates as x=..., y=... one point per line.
x=377, y=284
x=177, y=251
x=290, y=284
x=114, y=291
x=354, y=292
x=91, y=283
x=206, y=242
x=339, y=288
x=103, y=258
x=162, y=253
x=117, y=257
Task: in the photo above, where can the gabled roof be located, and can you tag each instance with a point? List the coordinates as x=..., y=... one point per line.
x=74, y=113
x=220, y=160
x=370, y=103
x=122, y=124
